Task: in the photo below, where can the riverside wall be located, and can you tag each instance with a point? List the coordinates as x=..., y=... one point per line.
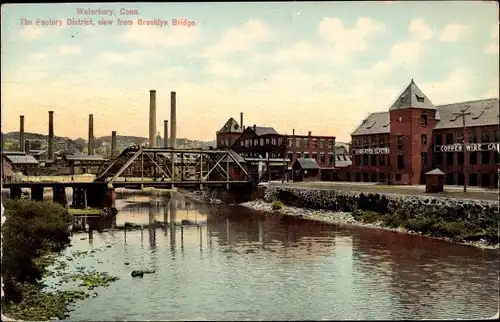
x=481, y=213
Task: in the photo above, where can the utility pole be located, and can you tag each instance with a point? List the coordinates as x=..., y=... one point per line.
x=462, y=114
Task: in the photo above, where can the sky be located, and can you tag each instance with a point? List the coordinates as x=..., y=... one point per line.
x=314, y=66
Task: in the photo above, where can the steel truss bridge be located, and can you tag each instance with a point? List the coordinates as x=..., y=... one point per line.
x=169, y=166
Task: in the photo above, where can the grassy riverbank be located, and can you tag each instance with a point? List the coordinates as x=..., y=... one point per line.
x=453, y=231
x=34, y=236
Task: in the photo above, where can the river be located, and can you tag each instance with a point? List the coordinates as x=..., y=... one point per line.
x=242, y=265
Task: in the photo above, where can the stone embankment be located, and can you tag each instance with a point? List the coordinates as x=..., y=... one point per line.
x=470, y=222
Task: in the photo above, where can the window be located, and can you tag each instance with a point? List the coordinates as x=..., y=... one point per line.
x=374, y=177
x=330, y=158
x=460, y=179
x=261, y=142
x=357, y=159
x=358, y=177
x=290, y=142
x=365, y=144
x=423, y=158
x=299, y=155
x=485, y=157
x=439, y=158
x=419, y=98
x=398, y=177
x=382, y=143
x=374, y=142
x=460, y=158
x=472, y=137
x=366, y=177
x=273, y=141
x=497, y=135
x=314, y=143
x=460, y=137
x=381, y=160
x=315, y=156
x=374, y=160
x=381, y=177
x=423, y=119
x=449, y=179
x=472, y=157
x=485, y=137
x=297, y=143
x=496, y=156
x=401, y=162
x=449, y=158
x=306, y=143
x=330, y=144
x=321, y=143
x=400, y=141
x=256, y=142
x=449, y=138
x=473, y=179
x=485, y=180
x=365, y=159
x=322, y=158
x=439, y=139
x=280, y=141
x=423, y=139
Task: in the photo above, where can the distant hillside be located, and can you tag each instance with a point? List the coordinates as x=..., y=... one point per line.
x=10, y=141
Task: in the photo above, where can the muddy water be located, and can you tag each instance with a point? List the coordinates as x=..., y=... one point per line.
x=240, y=265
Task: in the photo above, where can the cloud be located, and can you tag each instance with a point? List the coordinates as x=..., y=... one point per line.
x=302, y=51
x=132, y=58
x=223, y=69
x=420, y=29
x=348, y=40
x=239, y=39
x=453, y=32
x=493, y=47
x=160, y=37
x=69, y=50
x=38, y=56
x=32, y=32
x=452, y=88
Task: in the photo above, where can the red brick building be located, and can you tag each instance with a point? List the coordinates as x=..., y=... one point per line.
x=229, y=133
x=415, y=136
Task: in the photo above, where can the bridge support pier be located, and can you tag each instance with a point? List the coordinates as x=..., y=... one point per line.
x=78, y=197
x=110, y=198
x=15, y=193
x=59, y=195
x=37, y=193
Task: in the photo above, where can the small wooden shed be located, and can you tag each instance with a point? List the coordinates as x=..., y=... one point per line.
x=305, y=169
x=434, y=181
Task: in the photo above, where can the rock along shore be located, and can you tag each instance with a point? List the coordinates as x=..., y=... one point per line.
x=341, y=207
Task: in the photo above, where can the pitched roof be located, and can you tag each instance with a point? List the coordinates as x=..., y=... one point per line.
x=483, y=112
x=375, y=123
x=412, y=97
x=264, y=130
x=21, y=159
x=13, y=153
x=234, y=155
x=436, y=172
x=84, y=157
x=341, y=148
x=307, y=163
x=231, y=126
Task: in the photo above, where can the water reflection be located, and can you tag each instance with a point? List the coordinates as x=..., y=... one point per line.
x=240, y=265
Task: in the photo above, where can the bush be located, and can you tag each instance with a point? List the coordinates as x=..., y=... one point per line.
x=277, y=205
x=31, y=229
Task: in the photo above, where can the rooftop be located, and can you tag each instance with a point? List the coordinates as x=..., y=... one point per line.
x=231, y=126
x=412, y=97
x=21, y=159
x=84, y=157
x=263, y=130
x=307, y=163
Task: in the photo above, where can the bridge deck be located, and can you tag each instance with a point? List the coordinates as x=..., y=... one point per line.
x=122, y=184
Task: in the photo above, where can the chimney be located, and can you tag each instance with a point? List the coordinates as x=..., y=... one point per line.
x=50, y=143
x=241, y=120
x=152, y=118
x=90, y=147
x=309, y=133
x=173, y=121
x=27, y=146
x=165, y=133
x=113, y=144
x=293, y=132
x=254, y=127
x=21, y=134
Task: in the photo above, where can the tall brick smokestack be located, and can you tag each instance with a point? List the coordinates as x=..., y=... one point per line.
x=113, y=144
x=21, y=134
x=241, y=120
x=152, y=118
x=165, y=133
x=50, y=147
x=27, y=146
x=173, y=120
x=90, y=146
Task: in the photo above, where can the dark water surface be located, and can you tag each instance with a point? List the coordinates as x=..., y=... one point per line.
x=240, y=265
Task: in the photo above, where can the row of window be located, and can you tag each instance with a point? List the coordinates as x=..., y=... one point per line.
x=451, y=138
x=262, y=142
x=450, y=159
x=257, y=155
x=382, y=160
x=313, y=143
